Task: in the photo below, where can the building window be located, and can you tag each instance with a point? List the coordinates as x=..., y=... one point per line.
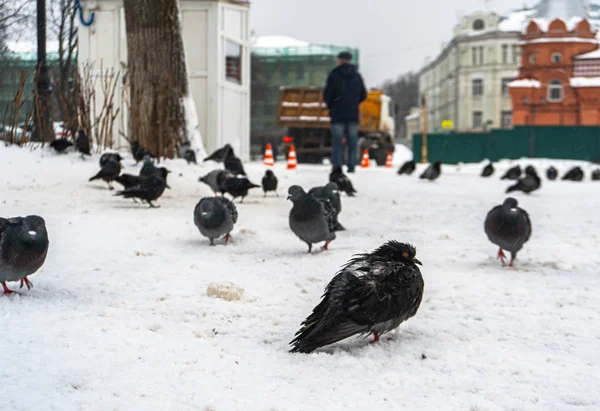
x=516, y=53
x=474, y=55
x=477, y=119
x=481, y=55
x=300, y=71
x=477, y=55
x=505, y=82
x=506, y=119
x=505, y=53
x=556, y=58
x=478, y=24
x=477, y=87
x=233, y=62
x=555, y=91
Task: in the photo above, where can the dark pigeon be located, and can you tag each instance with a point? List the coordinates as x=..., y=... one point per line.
x=187, y=153
x=106, y=157
x=527, y=184
x=60, y=145
x=23, y=249
x=216, y=180
x=109, y=172
x=372, y=294
x=596, y=175
x=487, y=170
x=509, y=227
x=337, y=176
x=551, y=173
x=128, y=180
x=269, y=182
x=219, y=154
x=512, y=173
x=138, y=151
x=238, y=187
x=331, y=193
x=83, y=144
x=407, y=168
x=432, y=172
x=148, y=168
x=309, y=219
x=574, y=174
x=233, y=164
x=149, y=190
x=215, y=217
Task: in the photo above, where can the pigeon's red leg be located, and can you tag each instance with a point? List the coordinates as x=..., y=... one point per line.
x=309, y=249
x=501, y=256
x=326, y=246
x=6, y=290
x=511, y=262
x=227, y=238
x=27, y=283
x=375, y=338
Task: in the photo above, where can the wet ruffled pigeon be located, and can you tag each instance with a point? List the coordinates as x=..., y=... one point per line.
x=372, y=294
x=344, y=184
x=509, y=227
x=215, y=217
x=527, y=184
x=407, y=168
x=551, y=173
x=23, y=249
x=574, y=174
x=269, y=182
x=106, y=157
x=312, y=220
x=433, y=171
x=216, y=180
x=109, y=172
x=331, y=193
x=487, y=170
x=512, y=173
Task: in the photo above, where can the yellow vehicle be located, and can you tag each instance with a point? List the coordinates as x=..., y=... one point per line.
x=305, y=115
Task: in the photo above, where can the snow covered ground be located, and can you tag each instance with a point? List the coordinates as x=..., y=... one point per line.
x=120, y=319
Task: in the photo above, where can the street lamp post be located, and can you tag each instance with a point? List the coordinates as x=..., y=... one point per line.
x=42, y=130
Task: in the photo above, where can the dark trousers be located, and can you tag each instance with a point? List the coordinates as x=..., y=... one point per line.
x=338, y=132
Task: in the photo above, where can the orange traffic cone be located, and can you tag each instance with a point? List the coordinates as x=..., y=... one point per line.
x=292, y=162
x=388, y=161
x=269, y=161
x=365, y=163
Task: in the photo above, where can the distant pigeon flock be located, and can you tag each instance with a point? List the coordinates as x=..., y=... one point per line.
x=527, y=184
x=432, y=172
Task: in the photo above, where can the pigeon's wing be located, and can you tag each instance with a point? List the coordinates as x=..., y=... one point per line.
x=230, y=207
x=330, y=214
x=527, y=224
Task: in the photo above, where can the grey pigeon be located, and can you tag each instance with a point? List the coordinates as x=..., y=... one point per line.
x=487, y=170
x=186, y=152
x=551, y=173
x=109, y=172
x=337, y=176
x=407, y=168
x=596, y=175
x=310, y=219
x=219, y=154
x=574, y=174
x=149, y=190
x=106, y=157
x=216, y=180
x=432, y=172
x=331, y=193
x=527, y=184
x=215, y=217
x=509, y=227
x=233, y=164
x=372, y=294
x=23, y=249
x=512, y=173
x=269, y=182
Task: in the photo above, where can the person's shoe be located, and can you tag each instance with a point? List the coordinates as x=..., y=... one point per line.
x=351, y=170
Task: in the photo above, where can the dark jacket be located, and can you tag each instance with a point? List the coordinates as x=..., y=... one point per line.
x=344, y=91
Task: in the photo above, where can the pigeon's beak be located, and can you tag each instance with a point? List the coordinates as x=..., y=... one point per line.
x=289, y=197
x=417, y=261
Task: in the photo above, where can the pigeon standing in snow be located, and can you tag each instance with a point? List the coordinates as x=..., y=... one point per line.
x=238, y=187
x=215, y=217
x=60, y=145
x=23, y=249
x=269, y=182
x=337, y=176
x=219, y=154
x=551, y=173
x=407, y=168
x=83, y=144
x=310, y=219
x=432, y=172
x=187, y=153
x=138, y=152
x=527, y=184
x=216, y=180
x=574, y=174
x=509, y=227
x=149, y=190
x=487, y=170
x=372, y=294
x=331, y=193
x=106, y=157
x=596, y=175
x=512, y=173
x=109, y=172
x=233, y=164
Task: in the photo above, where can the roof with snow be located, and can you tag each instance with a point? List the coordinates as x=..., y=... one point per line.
x=525, y=83
x=592, y=55
x=288, y=46
x=585, y=82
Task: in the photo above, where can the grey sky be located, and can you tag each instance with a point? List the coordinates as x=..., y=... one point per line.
x=394, y=36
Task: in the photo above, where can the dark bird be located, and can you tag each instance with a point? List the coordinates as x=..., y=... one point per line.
x=233, y=164
x=138, y=151
x=23, y=249
x=527, y=184
x=60, y=144
x=219, y=154
x=163, y=173
x=109, y=172
x=331, y=193
x=269, y=182
x=238, y=187
x=83, y=144
x=337, y=176
x=128, y=180
x=487, y=170
x=512, y=173
x=407, y=168
x=216, y=180
x=148, y=168
x=215, y=217
x=372, y=294
x=310, y=219
x=432, y=172
x=106, y=157
x=596, y=175
x=551, y=173
x=509, y=227
x=574, y=174
x=187, y=153
x=149, y=190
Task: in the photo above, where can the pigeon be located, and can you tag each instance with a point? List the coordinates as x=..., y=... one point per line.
x=596, y=175
x=432, y=172
x=238, y=187
x=138, y=152
x=23, y=249
x=372, y=294
x=527, y=184
x=331, y=193
x=310, y=220
x=216, y=180
x=148, y=168
x=106, y=157
x=269, y=182
x=551, y=173
x=162, y=172
x=513, y=173
x=407, y=168
x=109, y=172
x=83, y=144
x=129, y=180
x=60, y=144
x=214, y=217
x=487, y=170
x=219, y=155
x=187, y=153
x=509, y=227
x=233, y=164
x=337, y=176
x=574, y=174
x=149, y=190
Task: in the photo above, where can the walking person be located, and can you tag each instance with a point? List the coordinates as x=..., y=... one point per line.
x=344, y=92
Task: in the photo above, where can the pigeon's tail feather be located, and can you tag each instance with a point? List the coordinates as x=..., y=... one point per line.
x=512, y=188
x=310, y=338
x=339, y=227
x=96, y=177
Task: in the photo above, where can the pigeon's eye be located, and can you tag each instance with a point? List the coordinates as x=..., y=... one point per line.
x=405, y=254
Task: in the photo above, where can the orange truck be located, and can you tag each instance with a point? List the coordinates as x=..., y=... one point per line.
x=306, y=117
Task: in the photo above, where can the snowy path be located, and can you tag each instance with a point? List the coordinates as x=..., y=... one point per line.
x=119, y=318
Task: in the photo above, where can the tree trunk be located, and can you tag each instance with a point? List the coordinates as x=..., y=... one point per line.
x=159, y=92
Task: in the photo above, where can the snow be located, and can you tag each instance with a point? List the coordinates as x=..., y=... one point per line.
x=277, y=42
x=585, y=81
x=560, y=40
x=413, y=116
x=592, y=55
x=120, y=317
x=24, y=46
x=193, y=127
x=515, y=21
x=525, y=83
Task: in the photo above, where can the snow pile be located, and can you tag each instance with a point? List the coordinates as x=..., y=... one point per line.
x=585, y=81
x=525, y=83
x=225, y=291
x=515, y=21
